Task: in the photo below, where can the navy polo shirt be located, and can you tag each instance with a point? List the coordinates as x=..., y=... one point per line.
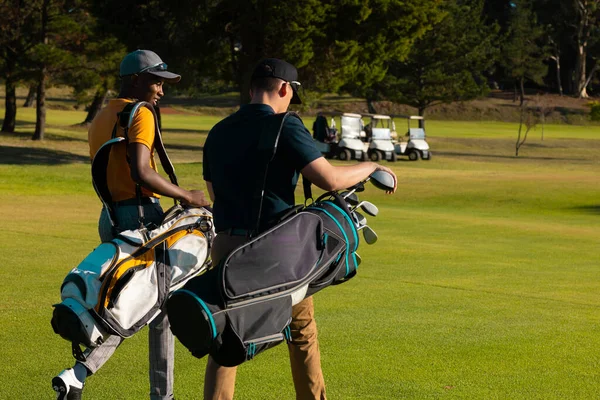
x=231, y=164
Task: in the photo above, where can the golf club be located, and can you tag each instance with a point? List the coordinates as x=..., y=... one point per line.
x=358, y=259
x=350, y=197
x=369, y=234
x=360, y=219
x=367, y=207
x=382, y=180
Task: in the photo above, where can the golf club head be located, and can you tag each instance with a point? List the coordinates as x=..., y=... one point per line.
x=369, y=235
x=358, y=259
x=383, y=180
x=350, y=197
x=369, y=208
x=360, y=219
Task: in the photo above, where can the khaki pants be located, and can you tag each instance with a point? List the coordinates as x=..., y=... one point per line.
x=305, y=359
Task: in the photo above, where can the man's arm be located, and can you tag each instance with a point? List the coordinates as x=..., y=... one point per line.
x=329, y=177
x=143, y=174
x=211, y=192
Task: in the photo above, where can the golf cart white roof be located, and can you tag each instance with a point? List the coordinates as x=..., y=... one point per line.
x=339, y=114
x=378, y=116
x=407, y=116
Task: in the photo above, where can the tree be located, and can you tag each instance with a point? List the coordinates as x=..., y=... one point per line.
x=98, y=72
x=449, y=62
x=587, y=28
x=530, y=118
x=334, y=44
x=523, y=52
x=63, y=32
x=371, y=36
x=17, y=18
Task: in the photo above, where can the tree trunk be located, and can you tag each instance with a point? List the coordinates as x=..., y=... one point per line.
x=585, y=23
x=589, y=78
x=556, y=59
x=96, y=105
x=519, y=135
x=371, y=106
x=581, y=73
x=421, y=110
x=10, y=108
x=543, y=123
x=522, y=88
x=30, y=96
x=40, y=112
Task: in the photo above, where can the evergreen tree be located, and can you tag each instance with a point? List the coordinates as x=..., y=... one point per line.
x=524, y=53
x=17, y=19
x=448, y=63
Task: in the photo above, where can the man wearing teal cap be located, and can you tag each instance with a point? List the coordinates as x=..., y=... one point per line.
x=143, y=74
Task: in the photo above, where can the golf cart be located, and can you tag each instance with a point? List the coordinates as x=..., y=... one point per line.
x=349, y=146
x=379, y=136
x=413, y=144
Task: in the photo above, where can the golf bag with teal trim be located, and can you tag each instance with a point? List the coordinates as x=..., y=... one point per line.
x=243, y=305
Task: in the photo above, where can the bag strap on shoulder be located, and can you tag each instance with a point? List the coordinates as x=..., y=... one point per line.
x=100, y=160
x=266, y=150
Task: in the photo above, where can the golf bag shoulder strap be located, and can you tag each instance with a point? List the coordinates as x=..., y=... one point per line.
x=267, y=147
x=126, y=118
x=101, y=158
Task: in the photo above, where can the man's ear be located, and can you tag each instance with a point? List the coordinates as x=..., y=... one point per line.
x=283, y=89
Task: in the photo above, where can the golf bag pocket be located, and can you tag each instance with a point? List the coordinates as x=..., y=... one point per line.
x=251, y=330
x=121, y=286
x=277, y=260
x=231, y=336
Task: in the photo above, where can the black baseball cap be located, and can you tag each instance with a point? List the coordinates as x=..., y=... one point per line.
x=275, y=68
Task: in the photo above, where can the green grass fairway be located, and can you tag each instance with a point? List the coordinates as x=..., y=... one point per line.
x=484, y=283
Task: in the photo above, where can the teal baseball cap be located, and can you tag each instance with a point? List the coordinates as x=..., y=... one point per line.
x=146, y=62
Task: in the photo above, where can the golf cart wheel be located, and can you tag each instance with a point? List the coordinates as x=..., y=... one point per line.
x=413, y=155
x=394, y=157
x=364, y=156
x=344, y=154
x=375, y=156
x=428, y=155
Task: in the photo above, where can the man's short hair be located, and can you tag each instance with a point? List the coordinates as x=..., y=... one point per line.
x=265, y=84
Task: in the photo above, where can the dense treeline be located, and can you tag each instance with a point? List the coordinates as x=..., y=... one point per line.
x=416, y=52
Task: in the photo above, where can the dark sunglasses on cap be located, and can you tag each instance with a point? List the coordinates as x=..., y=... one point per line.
x=295, y=85
x=155, y=68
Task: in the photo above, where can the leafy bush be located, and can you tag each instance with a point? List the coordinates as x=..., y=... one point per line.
x=594, y=110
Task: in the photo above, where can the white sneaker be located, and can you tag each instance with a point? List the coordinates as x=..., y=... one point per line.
x=66, y=386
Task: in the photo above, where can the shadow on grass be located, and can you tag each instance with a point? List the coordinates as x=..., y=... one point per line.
x=32, y=156
x=24, y=135
x=183, y=130
x=19, y=122
x=183, y=147
x=63, y=138
x=588, y=209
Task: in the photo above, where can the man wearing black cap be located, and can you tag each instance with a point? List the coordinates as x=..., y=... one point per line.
x=142, y=74
x=231, y=174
